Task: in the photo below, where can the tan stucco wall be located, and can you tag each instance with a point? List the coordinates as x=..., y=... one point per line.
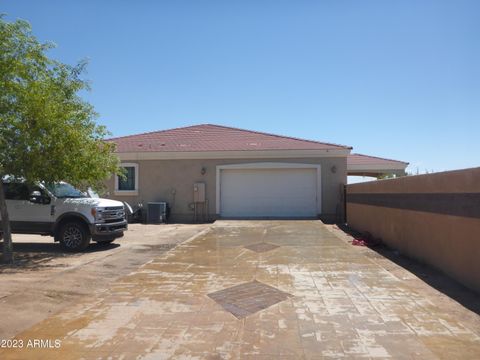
x=158, y=179
x=449, y=243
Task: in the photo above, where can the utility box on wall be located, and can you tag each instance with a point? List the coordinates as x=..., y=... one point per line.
x=199, y=192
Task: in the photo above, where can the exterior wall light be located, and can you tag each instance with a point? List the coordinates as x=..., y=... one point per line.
x=203, y=171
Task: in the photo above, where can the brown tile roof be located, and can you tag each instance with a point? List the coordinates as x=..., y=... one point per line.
x=359, y=159
x=209, y=137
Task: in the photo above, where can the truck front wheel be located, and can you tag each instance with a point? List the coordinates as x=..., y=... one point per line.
x=74, y=236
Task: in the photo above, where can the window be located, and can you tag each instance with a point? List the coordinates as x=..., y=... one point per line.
x=16, y=191
x=127, y=185
x=64, y=190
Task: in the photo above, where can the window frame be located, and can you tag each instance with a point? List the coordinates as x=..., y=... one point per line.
x=127, y=192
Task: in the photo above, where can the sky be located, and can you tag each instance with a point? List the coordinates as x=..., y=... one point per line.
x=395, y=79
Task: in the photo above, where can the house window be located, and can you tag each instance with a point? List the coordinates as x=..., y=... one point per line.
x=128, y=184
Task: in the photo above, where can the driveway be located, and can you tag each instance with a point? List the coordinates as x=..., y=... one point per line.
x=261, y=290
x=46, y=279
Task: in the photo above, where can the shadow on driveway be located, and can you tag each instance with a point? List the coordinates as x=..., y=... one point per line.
x=433, y=277
x=36, y=256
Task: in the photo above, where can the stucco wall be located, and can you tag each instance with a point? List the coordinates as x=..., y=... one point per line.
x=434, y=218
x=160, y=179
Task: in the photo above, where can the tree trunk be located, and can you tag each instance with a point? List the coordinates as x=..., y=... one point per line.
x=7, y=234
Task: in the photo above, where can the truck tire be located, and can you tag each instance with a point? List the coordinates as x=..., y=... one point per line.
x=74, y=236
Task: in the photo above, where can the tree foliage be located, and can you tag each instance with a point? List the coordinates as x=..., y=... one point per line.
x=47, y=131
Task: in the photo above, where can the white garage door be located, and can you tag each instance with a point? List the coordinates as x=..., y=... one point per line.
x=268, y=192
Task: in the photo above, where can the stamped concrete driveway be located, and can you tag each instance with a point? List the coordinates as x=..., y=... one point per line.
x=261, y=290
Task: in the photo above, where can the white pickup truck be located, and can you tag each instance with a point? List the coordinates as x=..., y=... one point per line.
x=72, y=217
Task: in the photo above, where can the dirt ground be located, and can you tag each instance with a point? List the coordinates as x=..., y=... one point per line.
x=45, y=279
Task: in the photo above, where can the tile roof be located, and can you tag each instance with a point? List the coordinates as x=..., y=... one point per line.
x=209, y=137
x=359, y=159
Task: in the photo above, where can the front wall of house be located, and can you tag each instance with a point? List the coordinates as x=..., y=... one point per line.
x=172, y=181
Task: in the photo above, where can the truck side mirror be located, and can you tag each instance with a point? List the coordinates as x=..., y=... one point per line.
x=36, y=197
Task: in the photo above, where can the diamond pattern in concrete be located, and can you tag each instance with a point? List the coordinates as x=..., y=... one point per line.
x=261, y=247
x=248, y=298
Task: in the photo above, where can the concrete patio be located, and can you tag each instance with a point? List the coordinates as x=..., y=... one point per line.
x=262, y=290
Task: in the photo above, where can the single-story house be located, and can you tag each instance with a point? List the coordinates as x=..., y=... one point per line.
x=234, y=173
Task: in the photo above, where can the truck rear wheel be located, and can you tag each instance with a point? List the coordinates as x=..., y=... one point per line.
x=74, y=236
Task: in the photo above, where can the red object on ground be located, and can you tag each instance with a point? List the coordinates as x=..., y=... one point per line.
x=359, y=242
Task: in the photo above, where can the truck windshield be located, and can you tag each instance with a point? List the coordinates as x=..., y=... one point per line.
x=65, y=190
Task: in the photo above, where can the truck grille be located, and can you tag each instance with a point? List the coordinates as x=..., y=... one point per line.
x=113, y=213
x=114, y=208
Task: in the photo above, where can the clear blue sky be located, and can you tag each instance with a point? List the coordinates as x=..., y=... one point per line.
x=399, y=79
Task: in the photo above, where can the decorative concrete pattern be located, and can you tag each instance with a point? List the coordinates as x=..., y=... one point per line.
x=261, y=247
x=248, y=298
x=349, y=302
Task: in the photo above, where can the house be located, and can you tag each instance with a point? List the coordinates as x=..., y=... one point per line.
x=235, y=173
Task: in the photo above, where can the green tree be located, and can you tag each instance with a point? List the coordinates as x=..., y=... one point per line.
x=47, y=131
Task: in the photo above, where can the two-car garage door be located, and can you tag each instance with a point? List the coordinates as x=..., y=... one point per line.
x=268, y=192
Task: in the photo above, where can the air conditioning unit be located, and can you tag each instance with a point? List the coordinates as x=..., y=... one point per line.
x=157, y=212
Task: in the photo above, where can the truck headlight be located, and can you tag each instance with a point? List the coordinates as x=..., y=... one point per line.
x=97, y=213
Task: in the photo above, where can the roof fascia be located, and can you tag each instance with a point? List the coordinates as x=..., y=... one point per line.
x=375, y=167
x=259, y=154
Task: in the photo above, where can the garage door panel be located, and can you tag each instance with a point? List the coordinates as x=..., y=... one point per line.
x=268, y=192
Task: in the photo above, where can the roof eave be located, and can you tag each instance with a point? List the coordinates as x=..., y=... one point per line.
x=375, y=170
x=243, y=154
x=375, y=167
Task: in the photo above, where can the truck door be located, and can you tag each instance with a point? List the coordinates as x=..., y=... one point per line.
x=27, y=216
